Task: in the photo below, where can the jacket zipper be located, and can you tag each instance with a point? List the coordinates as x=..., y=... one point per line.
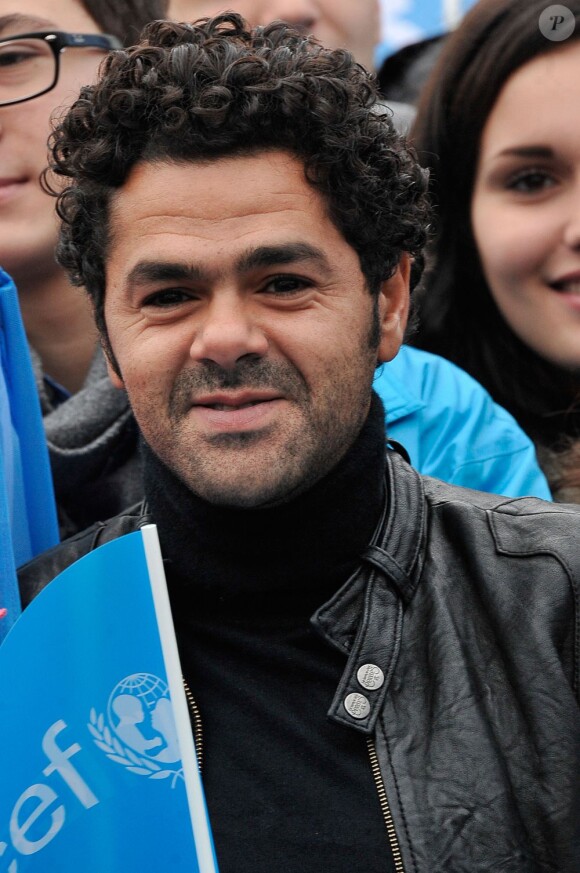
x=386, y=809
x=195, y=718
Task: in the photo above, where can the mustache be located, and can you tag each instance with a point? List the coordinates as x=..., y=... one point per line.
x=247, y=373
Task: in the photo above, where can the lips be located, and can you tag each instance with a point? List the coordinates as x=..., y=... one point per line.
x=236, y=413
x=567, y=287
x=7, y=182
x=232, y=402
x=10, y=187
x=568, y=284
x=226, y=406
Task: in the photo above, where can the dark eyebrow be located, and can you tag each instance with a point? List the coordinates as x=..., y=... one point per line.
x=146, y=272
x=24, y=23
x=528, y=152
x=150, y=272
x=286, y=253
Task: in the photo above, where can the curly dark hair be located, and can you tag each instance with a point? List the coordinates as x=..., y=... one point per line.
x=215, y=89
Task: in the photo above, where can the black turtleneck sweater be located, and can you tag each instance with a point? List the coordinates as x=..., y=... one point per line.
x=288, y=791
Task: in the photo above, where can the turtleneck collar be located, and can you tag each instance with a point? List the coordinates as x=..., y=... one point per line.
x=289, y=557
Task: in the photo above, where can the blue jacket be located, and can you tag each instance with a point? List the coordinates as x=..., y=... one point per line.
x=453, y=430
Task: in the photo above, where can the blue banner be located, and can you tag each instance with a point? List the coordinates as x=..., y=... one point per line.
x=98, y=764
x=28, y=523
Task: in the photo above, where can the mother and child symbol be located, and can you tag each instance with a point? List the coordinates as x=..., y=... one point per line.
x=141, y=715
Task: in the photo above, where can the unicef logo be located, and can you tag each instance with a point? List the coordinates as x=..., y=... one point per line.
x=138, y=731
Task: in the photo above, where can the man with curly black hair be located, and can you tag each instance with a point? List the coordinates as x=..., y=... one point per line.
x=386, y=667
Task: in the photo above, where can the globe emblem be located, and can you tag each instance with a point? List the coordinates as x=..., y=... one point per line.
x=139, y=712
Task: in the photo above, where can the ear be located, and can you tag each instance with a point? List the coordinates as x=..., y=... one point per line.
x=393, y=306
x=113, y=374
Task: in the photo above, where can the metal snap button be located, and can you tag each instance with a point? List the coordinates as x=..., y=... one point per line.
x=370, y=676
x=357, y=705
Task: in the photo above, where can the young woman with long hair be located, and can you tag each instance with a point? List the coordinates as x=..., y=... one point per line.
x=499, y=129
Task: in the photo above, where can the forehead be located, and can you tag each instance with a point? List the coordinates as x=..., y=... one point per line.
x=30, y=15
x=538, y=101
x=213, y=212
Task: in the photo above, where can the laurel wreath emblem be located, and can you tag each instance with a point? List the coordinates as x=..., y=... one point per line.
x=120, y=754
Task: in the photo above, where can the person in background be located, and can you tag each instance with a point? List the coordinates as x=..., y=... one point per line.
x=350, y=24
x=48, y=49
x=447, y=423
x=386, y=666
x=499, y=130
x=403, y=74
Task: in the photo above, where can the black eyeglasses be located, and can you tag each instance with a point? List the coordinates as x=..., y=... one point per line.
x=30, y=62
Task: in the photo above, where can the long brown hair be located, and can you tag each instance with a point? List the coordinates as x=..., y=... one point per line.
x=456, y=315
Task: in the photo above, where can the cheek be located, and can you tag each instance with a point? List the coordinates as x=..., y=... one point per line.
x=502, y=261
x=150, y=362
x=511, y=251
x=76, y=70
x=27, y=139
x=148, y=389
x=512, y=267
x=37, y=115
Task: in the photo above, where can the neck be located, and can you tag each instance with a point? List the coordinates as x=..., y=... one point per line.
x=292, y=556
x=59, y=325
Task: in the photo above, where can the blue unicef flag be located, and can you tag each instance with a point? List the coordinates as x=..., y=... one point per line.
x=28, y=523
x=98, y=764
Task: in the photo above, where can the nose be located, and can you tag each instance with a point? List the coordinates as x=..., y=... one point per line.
x=303, y=14
x=227, y=334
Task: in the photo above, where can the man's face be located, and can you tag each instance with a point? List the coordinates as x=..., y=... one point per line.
x=241, y=325
x=351, y=24
x=28, y=226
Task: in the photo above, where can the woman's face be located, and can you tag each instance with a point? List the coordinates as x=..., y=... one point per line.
x=28, y=226
x=525, y=210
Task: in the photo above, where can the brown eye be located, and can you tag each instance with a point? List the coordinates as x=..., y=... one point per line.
x=167, y=298
x=286, y=285
x=531, y=181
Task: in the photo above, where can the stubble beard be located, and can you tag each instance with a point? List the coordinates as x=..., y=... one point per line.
x=270, y=469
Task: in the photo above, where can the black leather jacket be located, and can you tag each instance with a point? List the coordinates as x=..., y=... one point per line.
x=469, y=603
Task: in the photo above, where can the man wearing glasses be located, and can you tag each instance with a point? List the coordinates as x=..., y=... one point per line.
x=48, y=49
